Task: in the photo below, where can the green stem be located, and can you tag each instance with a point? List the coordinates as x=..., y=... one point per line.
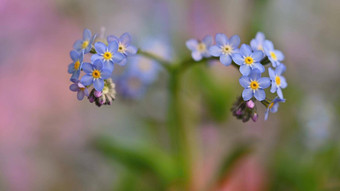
x=165, y=64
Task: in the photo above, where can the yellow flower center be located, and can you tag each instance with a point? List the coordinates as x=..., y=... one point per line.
x=254, y=85
x=84, y=44
x=271, y=105
x=96, y=74
x=76, y=65
x=107, y=56
x=249, y=60
x=82, y=89
x=121, y=48
x=273, y=55
x=201, y=47
x=278, y=80
x=227, y=49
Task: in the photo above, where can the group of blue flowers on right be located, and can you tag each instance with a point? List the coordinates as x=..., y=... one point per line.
x=252, y=61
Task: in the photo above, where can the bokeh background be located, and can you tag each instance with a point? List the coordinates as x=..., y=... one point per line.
x=46, y=135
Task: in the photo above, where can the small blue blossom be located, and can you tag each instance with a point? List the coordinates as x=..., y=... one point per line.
x=85, y=44
x=273, y=106
x=254, y=85
x=225, y=48
x=278, y=81
x=200, y=49
x=80, y=89
x=109, y=54
x=147, y=70
x=257, y=42
x=124, y=46
x=131, y=86
x=275, y=56
x=75, y=67
x=96, y=73
x=248, y=60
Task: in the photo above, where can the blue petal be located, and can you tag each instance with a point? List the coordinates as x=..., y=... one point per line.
x=264, y=82
x=215, y=51
x=75, y=75
x=271, y=73
x=125, y=38
x=259, y=66
x=255, y=74
x=253, y=44
x=113, y=46
x=238, y=59
x=257, y=56
x=275, y=107
x=78, y=45
x=105, y=74
x=260, y=94
x=266, y=114
x=108, y=66
x=86, y=80
x=70, y=68
x=260, y=37
x=96, y=57
x=268, y=45
x=208, y=40
x=225, y=59
x=98, y=84
x=279, y=93
x=274, y=87
x=245, y=70
x=117, y=57
x=112, y=38
x=87, y=67
x=234, y=41
x=131, y=50
x=196, y=55
x=98, y=64
x=221, y=39
x=247, y=94
x=283, y=82
x=280, y=69
x=74, y=87
x=192, y=44
x=74, y=55
x=100, y=47
x=244, y=81
x=245, y=50
x=80, y=95
x=87, y=34
x=279, y=55
x=123, y=62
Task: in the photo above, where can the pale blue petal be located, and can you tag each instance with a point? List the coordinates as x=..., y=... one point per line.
x=275, y=107
x=268, y=45
x=247, y=94
x=238, y=59
x=260, y=94
x=117, y=57
x=264, y=82
x=274, y=87
x=87, y=34
x=196, y=55
x=125, y=38
x=86, y=92
x=80, y=95
x=225, y=59
x=78, y=45
x=131, y=50
x=208, y=40
x=260, y=36
x=74, y=87
x=75, y=75
x=105, y=74
x=259, y=66
x=245, y=50
x=70, y=68
x=244, y=81
x=123, y=62
x=98, y=64
x=100, y=47
x=74, y=55
x=255, y=74
x=271, y=73
x=266, y=114
x=279, y=92
x=86, y=80
x=87, y=67
x=234, y=41
x=98, y=84
x=279, y=55
x=221, y=39
x=108, y=66
x=253, y=44
x=245, y=70
x=280, y=69
x=192, y=44
x=257, y=56
x=113, y=46
x=215, y=51
x=283, y=82
x=112, y=38
x=96, y=57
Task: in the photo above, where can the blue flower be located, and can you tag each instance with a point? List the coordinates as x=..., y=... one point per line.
x=200, y=49
x=225, y=48
x=273, y=106
x=80, y=89
x=257, y=42
x=278, y=81
x=85, y=44
x=95, y=73
x=147, y=70
x=124, y=46
x=75, y=67
x=109, y=54
x=254, y=85
x=248, y=60
x=275, y=56
x=131, y=86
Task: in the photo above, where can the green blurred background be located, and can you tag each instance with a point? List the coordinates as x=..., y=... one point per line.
x=50, y=141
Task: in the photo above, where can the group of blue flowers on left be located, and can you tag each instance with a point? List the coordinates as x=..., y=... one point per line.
x=252, y=61
x=98, y=72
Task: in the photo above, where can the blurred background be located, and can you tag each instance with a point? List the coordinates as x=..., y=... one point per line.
x=47, y=137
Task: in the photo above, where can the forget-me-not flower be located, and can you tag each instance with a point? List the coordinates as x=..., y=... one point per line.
x=275, y=56
x=75, y=67
x=225, y=48
x=248, y=60
x=124, y=46
x=109, y=54
x=85, y=44
x=96, y=73
x=80, y=89
x=200, y=49
x=278, y=81
x=273, y=106
x=254, y=85
x=257, y=42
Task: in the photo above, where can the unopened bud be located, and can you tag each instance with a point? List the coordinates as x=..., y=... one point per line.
x=250, y=104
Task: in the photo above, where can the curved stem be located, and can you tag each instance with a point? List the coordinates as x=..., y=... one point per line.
x=165, y=64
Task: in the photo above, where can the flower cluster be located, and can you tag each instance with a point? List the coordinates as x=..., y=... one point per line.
x=252, y=61
x=98, y=71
